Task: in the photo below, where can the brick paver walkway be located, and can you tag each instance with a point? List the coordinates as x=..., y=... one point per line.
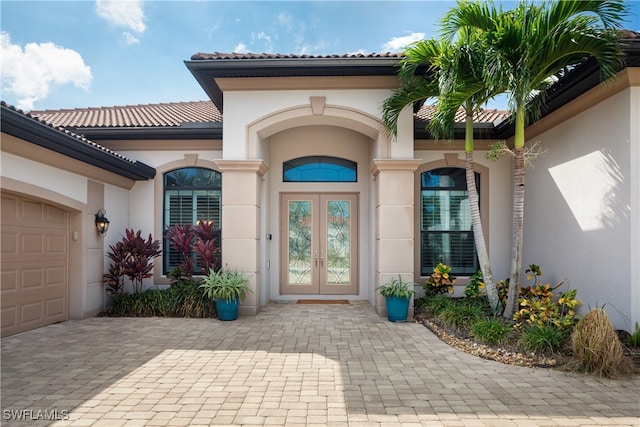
x=292, y=365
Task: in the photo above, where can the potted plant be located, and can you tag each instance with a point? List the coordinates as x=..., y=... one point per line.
x=398, y=294
x=227, y=288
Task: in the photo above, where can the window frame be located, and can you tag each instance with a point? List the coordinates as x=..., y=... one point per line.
x=194, y=192
x=450, y=161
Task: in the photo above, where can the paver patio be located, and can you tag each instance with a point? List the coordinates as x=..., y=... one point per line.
x=293, y=365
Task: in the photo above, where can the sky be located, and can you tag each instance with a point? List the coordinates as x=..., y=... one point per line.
x=77, y=54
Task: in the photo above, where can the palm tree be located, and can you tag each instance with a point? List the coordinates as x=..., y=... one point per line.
x=526, y=48
x=452, y=74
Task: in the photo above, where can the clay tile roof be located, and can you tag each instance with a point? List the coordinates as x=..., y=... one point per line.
x=80, y=139
x=485, y=116
x=234, y=55
x=149, y=115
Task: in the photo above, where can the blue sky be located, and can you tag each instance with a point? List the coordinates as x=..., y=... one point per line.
x=76, y=54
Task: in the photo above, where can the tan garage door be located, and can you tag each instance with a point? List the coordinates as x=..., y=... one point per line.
x=34, y=264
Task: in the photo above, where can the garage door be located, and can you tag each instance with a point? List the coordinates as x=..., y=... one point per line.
x=34, y=265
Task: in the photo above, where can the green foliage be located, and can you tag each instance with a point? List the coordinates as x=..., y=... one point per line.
x=440, y=281
x=461, y=315
x=397, y=288
x=225, y=284
x=490, y=330
x=634, y=339
x=538, y=306
x=183, y=298
x=132, y=257
x=543, y=338
x=475, y=286
x=434, y=304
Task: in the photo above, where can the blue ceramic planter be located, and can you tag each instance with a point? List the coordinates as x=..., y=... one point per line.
x=397, y=309
x=227, y=309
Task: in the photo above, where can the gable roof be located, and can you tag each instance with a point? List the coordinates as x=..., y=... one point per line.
x=37, y=131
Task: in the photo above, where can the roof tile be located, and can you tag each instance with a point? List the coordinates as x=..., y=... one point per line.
x=484, y=116
x=148, y=115
x=81, y=139
x=235, y=55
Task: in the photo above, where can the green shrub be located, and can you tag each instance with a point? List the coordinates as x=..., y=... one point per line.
x=460, y=315
x=543, y=338
x=491, y=331
x=183, y=298
x=434, y=304
x=475, y=286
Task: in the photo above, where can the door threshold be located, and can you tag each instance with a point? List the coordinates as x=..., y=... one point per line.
x=322, y=301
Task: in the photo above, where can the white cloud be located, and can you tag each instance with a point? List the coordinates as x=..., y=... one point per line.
x=128, y=14
x=241, y=48
x=30, y=73
x=130, y=38
x=262, y=36
x=397, y=44
x=286, y=21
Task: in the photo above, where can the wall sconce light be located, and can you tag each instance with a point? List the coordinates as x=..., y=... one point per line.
x=102, y=223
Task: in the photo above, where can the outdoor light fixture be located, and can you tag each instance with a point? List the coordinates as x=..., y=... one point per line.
x=102, y=223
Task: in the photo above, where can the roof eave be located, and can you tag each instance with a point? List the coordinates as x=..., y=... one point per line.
x=30, y=130
x=200, y=131
x=206, y=71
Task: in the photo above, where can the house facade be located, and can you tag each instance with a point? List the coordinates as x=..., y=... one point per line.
x=316, y=201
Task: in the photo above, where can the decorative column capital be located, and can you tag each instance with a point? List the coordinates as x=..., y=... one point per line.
x=257, y=166
x=378, y=165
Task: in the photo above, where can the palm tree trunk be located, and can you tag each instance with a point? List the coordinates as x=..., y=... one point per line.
x=517, y=230
x=476, y=221
x=478, y=235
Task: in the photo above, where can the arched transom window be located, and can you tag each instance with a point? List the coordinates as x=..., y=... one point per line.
x=319, y=169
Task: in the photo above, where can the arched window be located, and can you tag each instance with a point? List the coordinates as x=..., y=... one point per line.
x=319, y=169
x=190, y=195
x=446, y=234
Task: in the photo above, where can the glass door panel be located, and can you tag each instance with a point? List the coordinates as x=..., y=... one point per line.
x=319, y=244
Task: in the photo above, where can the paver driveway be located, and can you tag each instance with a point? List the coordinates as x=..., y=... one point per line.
x=307, y=365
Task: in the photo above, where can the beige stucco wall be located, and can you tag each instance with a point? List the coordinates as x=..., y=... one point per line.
x=581, y=208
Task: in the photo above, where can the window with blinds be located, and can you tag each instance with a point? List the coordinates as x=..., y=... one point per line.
x=446, y=234
x=191, y=195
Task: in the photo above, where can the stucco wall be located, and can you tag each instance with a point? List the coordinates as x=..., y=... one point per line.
x=578, y=212
x=46, y=177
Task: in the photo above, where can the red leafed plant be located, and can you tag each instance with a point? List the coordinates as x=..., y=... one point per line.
x=202, y=240
x=132, y=258
x=206, y=246
x=181, y=241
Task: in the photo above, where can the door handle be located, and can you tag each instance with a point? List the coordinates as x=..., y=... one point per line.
x=321, y=258
x=316, y=258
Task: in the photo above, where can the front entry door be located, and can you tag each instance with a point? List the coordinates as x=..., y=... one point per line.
x=319, y=244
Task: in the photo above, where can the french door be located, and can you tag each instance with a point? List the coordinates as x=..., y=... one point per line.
x=319, y=244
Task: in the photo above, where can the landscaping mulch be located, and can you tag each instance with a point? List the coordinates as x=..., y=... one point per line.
x=509, y=352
